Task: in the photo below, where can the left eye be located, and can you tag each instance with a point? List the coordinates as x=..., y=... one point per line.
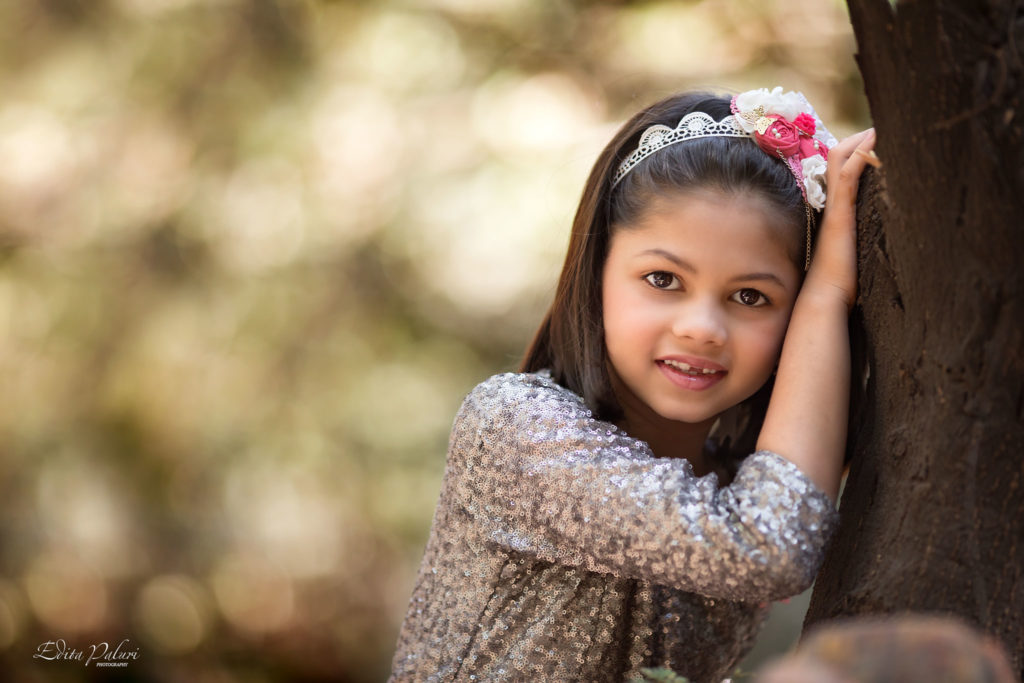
x=750, y=297
x=659, y=279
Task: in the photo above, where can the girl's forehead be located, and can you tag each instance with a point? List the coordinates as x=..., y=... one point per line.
x=737, y=221
x=720, y=234
x=711, y=200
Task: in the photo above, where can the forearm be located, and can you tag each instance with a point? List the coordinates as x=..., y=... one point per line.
x=807, y=413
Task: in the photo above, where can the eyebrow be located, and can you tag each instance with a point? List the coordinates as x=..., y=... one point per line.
x=689, y=267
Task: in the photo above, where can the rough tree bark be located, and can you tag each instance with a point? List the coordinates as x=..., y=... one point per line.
x=933, y=511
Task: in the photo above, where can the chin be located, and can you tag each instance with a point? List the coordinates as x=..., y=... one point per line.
x=687, y=414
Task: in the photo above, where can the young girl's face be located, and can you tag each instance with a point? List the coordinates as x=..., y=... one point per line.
x=697, y=295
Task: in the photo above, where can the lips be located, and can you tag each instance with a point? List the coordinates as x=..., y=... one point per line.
x=690, y=372
x=687, y=363
x=686, y=367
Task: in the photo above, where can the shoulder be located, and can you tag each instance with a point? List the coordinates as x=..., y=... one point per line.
x=520, y=399
x=519, y=385
x=521, y=391
x=527, y=415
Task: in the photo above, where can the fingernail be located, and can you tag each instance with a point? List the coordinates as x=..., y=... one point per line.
x=869, y=157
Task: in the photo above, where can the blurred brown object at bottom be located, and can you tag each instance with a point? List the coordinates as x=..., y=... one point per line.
x=910, y=648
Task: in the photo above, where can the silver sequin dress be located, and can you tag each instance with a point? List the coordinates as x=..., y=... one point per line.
x=562, y=549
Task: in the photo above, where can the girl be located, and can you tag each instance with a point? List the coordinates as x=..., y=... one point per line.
x=587, y=526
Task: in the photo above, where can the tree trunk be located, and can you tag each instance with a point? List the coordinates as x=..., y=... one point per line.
x=933, y=511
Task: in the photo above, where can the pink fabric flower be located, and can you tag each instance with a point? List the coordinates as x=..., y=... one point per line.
x=780, y=137
x=806, y=123
x=809, y=147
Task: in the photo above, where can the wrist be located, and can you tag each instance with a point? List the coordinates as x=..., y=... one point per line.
x=824, y=297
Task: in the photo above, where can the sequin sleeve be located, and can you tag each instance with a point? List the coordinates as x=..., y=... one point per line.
x=540, y=476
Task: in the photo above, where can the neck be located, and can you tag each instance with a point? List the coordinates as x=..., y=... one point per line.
x=667, y=438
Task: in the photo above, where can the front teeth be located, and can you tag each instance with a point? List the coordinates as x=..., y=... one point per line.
x=686, y=367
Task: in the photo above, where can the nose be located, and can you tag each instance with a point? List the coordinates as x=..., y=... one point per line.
x=702, y=321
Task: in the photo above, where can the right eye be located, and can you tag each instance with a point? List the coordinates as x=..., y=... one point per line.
x=660, y=279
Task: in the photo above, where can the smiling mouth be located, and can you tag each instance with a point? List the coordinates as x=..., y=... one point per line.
x=691, y=369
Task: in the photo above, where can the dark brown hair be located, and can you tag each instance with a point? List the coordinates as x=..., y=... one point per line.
x=570, y=340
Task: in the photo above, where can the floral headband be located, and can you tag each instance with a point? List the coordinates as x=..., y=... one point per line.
x=782, y=124
x=786, y=125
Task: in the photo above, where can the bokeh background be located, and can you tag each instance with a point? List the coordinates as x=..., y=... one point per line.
x=253, y=254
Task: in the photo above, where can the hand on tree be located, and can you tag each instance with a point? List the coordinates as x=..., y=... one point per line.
x=833, y=270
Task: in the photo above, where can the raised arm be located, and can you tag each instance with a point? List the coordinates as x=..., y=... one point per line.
x=541, y=477
x=807, y=413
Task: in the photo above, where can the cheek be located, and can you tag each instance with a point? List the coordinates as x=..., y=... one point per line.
x=616, y=323
x=627, y=315
x=765, y=343
x=622, y=333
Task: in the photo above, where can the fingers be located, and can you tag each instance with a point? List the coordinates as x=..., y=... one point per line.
x=846, y=162
x=845, y=148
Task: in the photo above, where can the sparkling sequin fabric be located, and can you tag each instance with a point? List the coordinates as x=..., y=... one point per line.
x=561, y=549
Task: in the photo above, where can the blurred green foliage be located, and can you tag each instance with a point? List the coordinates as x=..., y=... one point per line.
x=253, y=253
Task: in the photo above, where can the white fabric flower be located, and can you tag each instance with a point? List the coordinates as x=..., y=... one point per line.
x=788, y=105
x=813, y=169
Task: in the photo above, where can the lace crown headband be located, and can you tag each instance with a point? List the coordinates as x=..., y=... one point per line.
x=782, y=124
